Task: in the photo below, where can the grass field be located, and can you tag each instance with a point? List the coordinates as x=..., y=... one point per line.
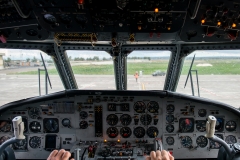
x=219, y=67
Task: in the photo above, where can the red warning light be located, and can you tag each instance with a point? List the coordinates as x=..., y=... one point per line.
x=80, y=1
x=187, y=121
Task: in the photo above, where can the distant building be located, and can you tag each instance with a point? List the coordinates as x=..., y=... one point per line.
x=1, y=60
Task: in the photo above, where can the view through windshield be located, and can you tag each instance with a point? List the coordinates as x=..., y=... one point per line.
x=218, y=73
x=218, y=76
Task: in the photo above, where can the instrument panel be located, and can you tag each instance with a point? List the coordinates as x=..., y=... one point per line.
x=108, y=124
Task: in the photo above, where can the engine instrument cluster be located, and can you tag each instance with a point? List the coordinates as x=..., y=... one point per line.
x=117, y=125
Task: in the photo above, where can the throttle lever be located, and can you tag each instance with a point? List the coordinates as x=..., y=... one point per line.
x=157, y=143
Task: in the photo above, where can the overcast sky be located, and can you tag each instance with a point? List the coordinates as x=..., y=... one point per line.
x=17, y=54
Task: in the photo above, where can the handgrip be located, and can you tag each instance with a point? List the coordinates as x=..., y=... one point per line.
x=18, y=127
x=210, y=126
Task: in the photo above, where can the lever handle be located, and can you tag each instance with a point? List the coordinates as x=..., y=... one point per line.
x=210, y=126
x=18, y=127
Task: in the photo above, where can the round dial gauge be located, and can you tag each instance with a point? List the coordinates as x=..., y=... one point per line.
x=125, y=119
x=170, y=140
x=186, y=141
x=169, y=128
x=20, y=145
x=170, y=118
x=146, y=119
x=231, y=139
x=139, y=132
x=231, y=126
x=216, y=145
x=112, y=119
x=35, y=142
x=186, y=124
x=219, y=125
x=201, y=125
x=139, y=107
x=51, y=125
x=5, y=126
x=170, y=108
x=83, y=124
x=202, y=112
x=125, y=132
x=34, y=113
x=152, y=132
x=3, y=139
x=66, y=122
x=50, y=18
x=35, y=126
x=153, y=107
x=112, y=132
x=202, y=141
x=83, y=114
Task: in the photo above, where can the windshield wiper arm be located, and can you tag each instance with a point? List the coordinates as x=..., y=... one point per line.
x=46, y=71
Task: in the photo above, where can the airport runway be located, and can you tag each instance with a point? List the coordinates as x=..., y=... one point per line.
x=224, y=88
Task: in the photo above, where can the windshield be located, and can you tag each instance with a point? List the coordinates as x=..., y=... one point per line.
x=147, y=69
x=218, y=76
x=19, y=75
x=92, y=69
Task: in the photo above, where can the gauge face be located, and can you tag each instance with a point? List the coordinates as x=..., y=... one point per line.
x=125, y=132
x=215, y=145
x=139, y=132
x=170, y=108
x=152, y=132
x=35, y=126
x=83, y=114
x=83, y=124
x=50, y=18
x=231, y=139
x=112, y=132
x=169, y=128
x=186, y=141
x=170, y=118
x=201, y=125
x=153, y=107
x=34, y=113
x=111, y=107
x=51, y=125
x=5, y=126
x=125, y=119
x=186, y=125
x=202, y=112
x=170, y=140
x=202, y=141
x=65, y=18
x=20, y=145
x=146, y=119
x=219, y=125
x=139, y=107
x=231, y=126
x=124, y=107
x=35, y=142
x=66, y=122
x=112, y=119
x=3, y=139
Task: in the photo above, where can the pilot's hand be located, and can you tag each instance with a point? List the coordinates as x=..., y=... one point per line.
x=59, y=155
x=160, y=155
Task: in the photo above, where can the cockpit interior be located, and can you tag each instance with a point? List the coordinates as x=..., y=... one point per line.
x=118, y=123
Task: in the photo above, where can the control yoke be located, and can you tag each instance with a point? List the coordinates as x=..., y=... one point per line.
x=210, y=129
x=18, y=127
